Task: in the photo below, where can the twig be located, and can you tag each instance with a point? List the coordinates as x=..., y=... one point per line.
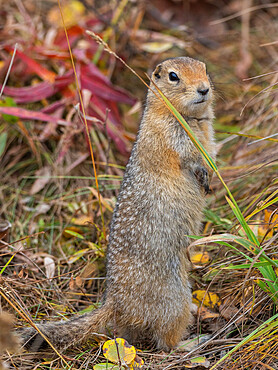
x=263, y=138
x=9, y=70
x=244, y=11
x=85, y=121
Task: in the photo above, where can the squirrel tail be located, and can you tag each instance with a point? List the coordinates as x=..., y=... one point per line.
x=64, y=334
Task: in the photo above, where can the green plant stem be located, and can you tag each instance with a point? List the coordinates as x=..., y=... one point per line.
x=109, y=31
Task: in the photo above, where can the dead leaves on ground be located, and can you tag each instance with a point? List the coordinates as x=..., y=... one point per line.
x=119, y=351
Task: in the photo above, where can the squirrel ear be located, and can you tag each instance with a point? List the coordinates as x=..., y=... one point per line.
x=157, y=71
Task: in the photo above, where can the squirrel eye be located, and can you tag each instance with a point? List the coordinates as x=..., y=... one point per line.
x=173, y=76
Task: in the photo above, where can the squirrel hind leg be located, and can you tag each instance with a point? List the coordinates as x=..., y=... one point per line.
x=135, y=335
x=166, y=341
x=167, y=337
x=129, y=333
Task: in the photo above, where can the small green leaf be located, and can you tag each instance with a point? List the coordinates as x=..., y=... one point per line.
x=3, y=141
x=8, y=102
x=74, y=233
x=198, y=360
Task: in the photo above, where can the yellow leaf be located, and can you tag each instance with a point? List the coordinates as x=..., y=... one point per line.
x=269, y=223
x=72, y=11
x=82, y=220
x=119, y=349
x=208, y=299
x=200, y=258
x=156, y=46
x=205, y=313
x=198, y=360
x=136, y=363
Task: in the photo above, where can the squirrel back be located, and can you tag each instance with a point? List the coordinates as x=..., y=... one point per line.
x=148, y=294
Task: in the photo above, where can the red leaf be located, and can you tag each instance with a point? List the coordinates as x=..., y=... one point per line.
x=52, y=53
x=93, y=71
x=65, y=80
x=100, y=85
x=73, y=32
x=103, y=106
x=42, y=72
x=51, y=108
x=42, y=90
x=28, y=114
x=104, y=91
x=31, y=94
x=97, y=108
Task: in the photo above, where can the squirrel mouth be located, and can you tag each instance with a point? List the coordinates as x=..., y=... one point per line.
x=200, y=101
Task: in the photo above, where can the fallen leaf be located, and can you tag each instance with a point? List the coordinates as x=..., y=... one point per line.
x=268, y=224
x=228, y=310
x=208, y=299
x=156, y=46
x=83, y=220
x=79, y=282
x=4, y=228
x=43, y=178
x=42, y=209
x=200, y=258
x=136, y=363
x=119, y=349
x=21, y=274
x=103, y=200
x=71, y=283
x=72, y=12
x=49, y=265
x=199, y=362
x=205, y=313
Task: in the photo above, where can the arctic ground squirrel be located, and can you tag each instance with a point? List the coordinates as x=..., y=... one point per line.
x=160, y=203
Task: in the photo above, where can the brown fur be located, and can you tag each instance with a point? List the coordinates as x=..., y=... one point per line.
x=8, y=340
x=148, y=294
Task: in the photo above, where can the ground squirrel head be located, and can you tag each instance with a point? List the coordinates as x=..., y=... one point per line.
x=186, y=83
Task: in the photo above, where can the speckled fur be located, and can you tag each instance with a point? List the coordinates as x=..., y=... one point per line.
x=148, y=293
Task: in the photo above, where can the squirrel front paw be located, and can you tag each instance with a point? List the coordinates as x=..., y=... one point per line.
x=202, y=177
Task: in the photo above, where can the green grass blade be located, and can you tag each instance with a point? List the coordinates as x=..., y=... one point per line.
x=248, y=265
x=189, y=132
x=251, y=236
x=212, y=165
x=262, y=329
x=7, y=264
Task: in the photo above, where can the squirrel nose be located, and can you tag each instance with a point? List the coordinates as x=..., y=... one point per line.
x=203, y=91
